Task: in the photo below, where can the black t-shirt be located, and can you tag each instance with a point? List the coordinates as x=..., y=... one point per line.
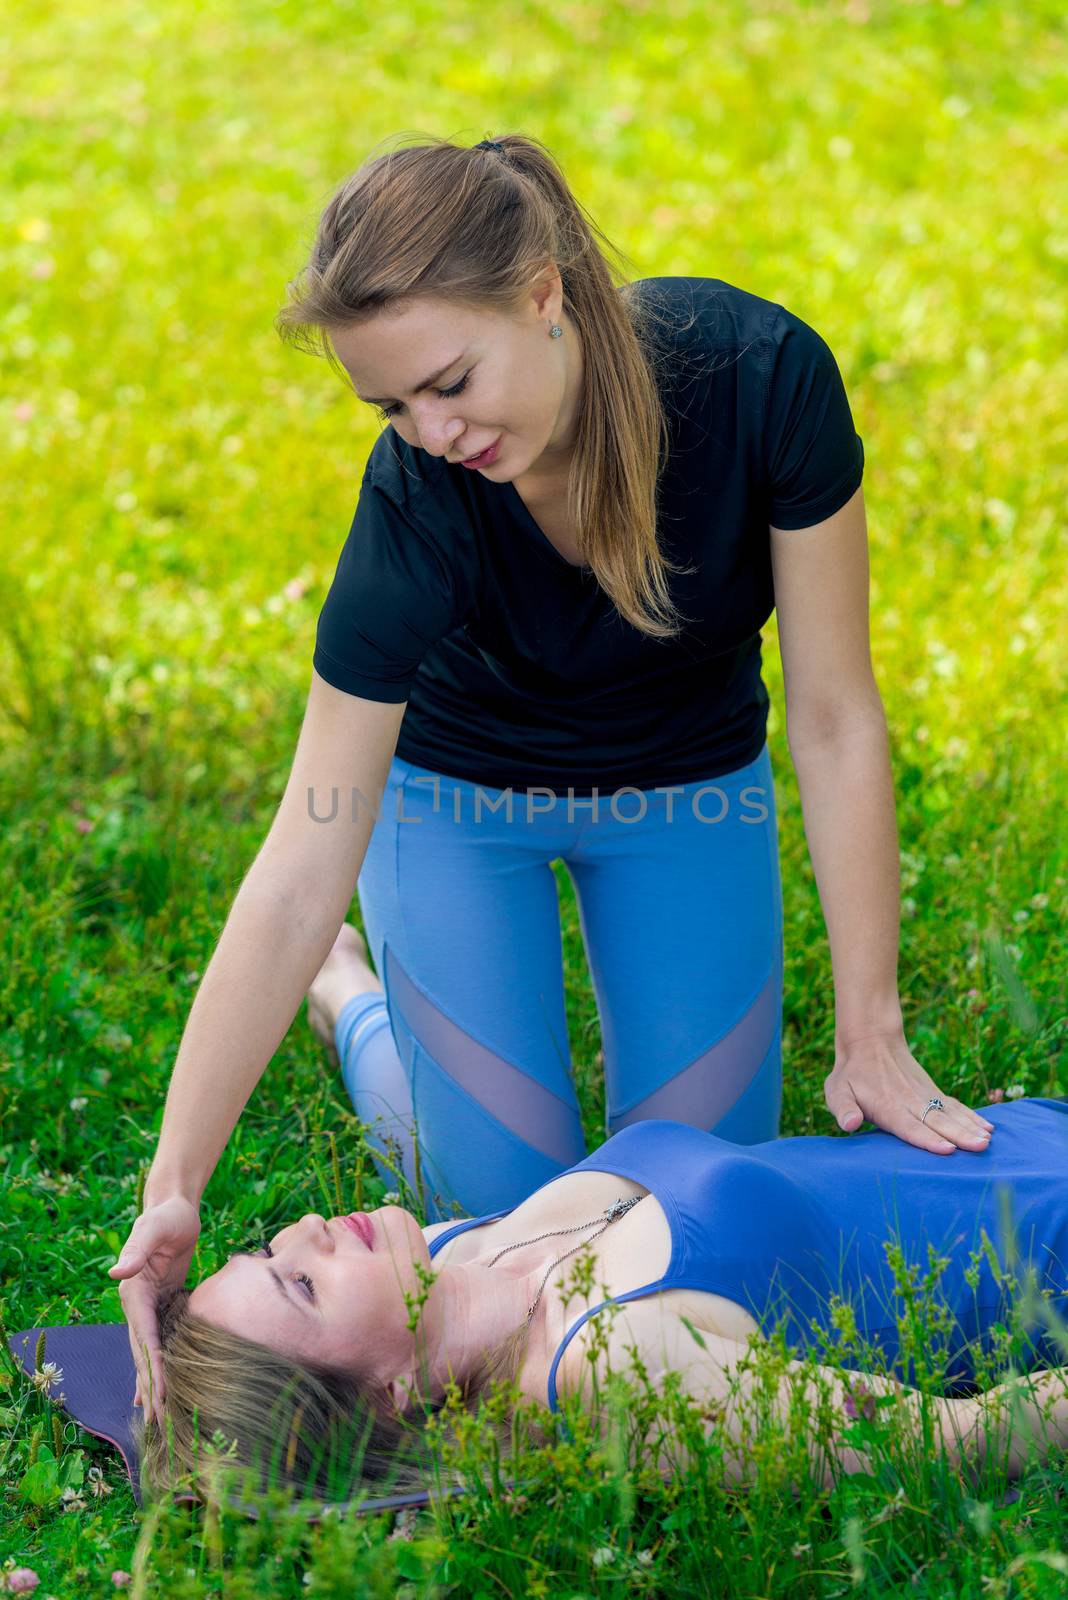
x=517, y=668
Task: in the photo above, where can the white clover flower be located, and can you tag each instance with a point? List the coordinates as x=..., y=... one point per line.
x=1014, y=1091
x=1040, y=901
x=47, y=1378
x=604, y=1556
x=644, y=1558
x=391, y=1198
x=79, y=1102
x=404, y=1526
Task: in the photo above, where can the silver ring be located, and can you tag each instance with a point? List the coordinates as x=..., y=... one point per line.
x=932, y=1105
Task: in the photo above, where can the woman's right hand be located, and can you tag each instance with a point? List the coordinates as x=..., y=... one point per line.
x=155, y=1257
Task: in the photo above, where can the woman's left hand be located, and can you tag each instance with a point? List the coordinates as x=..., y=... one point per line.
x=878, y=1079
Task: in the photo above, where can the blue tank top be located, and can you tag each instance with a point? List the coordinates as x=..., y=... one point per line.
x=788, y=1227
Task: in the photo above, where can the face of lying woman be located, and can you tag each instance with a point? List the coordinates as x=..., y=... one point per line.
x=323, y=1294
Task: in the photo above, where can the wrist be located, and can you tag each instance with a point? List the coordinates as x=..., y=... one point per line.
x=878, y=1022
x=169, y=1183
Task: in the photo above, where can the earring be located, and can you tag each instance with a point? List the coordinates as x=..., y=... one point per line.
x=555, y=330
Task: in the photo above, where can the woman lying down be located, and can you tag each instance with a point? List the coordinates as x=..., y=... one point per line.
x=690, y=1235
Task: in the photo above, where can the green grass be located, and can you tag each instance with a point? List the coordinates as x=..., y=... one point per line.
x=890, y=172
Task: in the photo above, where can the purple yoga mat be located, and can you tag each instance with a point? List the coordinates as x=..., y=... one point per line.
x=98, y=1387
x=98, y=1380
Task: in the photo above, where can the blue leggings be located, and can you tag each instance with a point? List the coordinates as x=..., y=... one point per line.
x=680, y=905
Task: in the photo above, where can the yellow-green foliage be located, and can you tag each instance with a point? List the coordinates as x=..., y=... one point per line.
x=175, y=487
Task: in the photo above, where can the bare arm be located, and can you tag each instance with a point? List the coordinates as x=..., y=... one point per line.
x=1023, y=1417
x=836, y=730
x=283, y=921
x=722, y=1376
x=281, y=925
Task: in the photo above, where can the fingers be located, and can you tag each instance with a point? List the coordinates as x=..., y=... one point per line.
x=134, y=1253
x=148, y=1390
x=893, y=1093
x=909, y=1127
x=140, y=1367
x=842, y=1104
x=975, y=1117
x=142, y=1240
x=130, y=1261
x=155, y=1388
x=958, y=1126
x=900, y=1119
x=139, y=1308
x=155, y=1257
x=162, y=1237
x=940, y=1132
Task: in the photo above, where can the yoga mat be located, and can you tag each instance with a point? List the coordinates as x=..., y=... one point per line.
x=98, y=1385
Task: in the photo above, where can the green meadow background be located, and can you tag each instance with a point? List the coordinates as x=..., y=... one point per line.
x=174, y=491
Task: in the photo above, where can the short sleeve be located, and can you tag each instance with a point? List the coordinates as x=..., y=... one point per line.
x=395, y=594
x=813, y=455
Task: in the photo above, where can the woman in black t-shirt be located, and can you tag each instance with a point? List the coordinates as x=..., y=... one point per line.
x=572, y=616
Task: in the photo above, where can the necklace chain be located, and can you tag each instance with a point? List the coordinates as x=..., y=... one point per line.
x=618, y=1208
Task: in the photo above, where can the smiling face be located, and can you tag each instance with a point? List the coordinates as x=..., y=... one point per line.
x=495, y=378
x=320, y=1293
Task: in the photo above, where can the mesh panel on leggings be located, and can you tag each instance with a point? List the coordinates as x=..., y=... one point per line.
x=706, y=1090
x=523, y=1106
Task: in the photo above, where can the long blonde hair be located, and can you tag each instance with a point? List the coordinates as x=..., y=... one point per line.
x=280, y=1423
x=476, y=228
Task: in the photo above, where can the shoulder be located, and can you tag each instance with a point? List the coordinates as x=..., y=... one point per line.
x=715, y=318
x=412, y=521
x=713, y=309
x=460, y=1247
x=640, y=1336
x=401, y=473
x=718, y=343
x=704, y=304
x=456, y=1250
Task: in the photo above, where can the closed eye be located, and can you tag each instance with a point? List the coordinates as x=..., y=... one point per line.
x=446, y=394
x=298, y=1277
